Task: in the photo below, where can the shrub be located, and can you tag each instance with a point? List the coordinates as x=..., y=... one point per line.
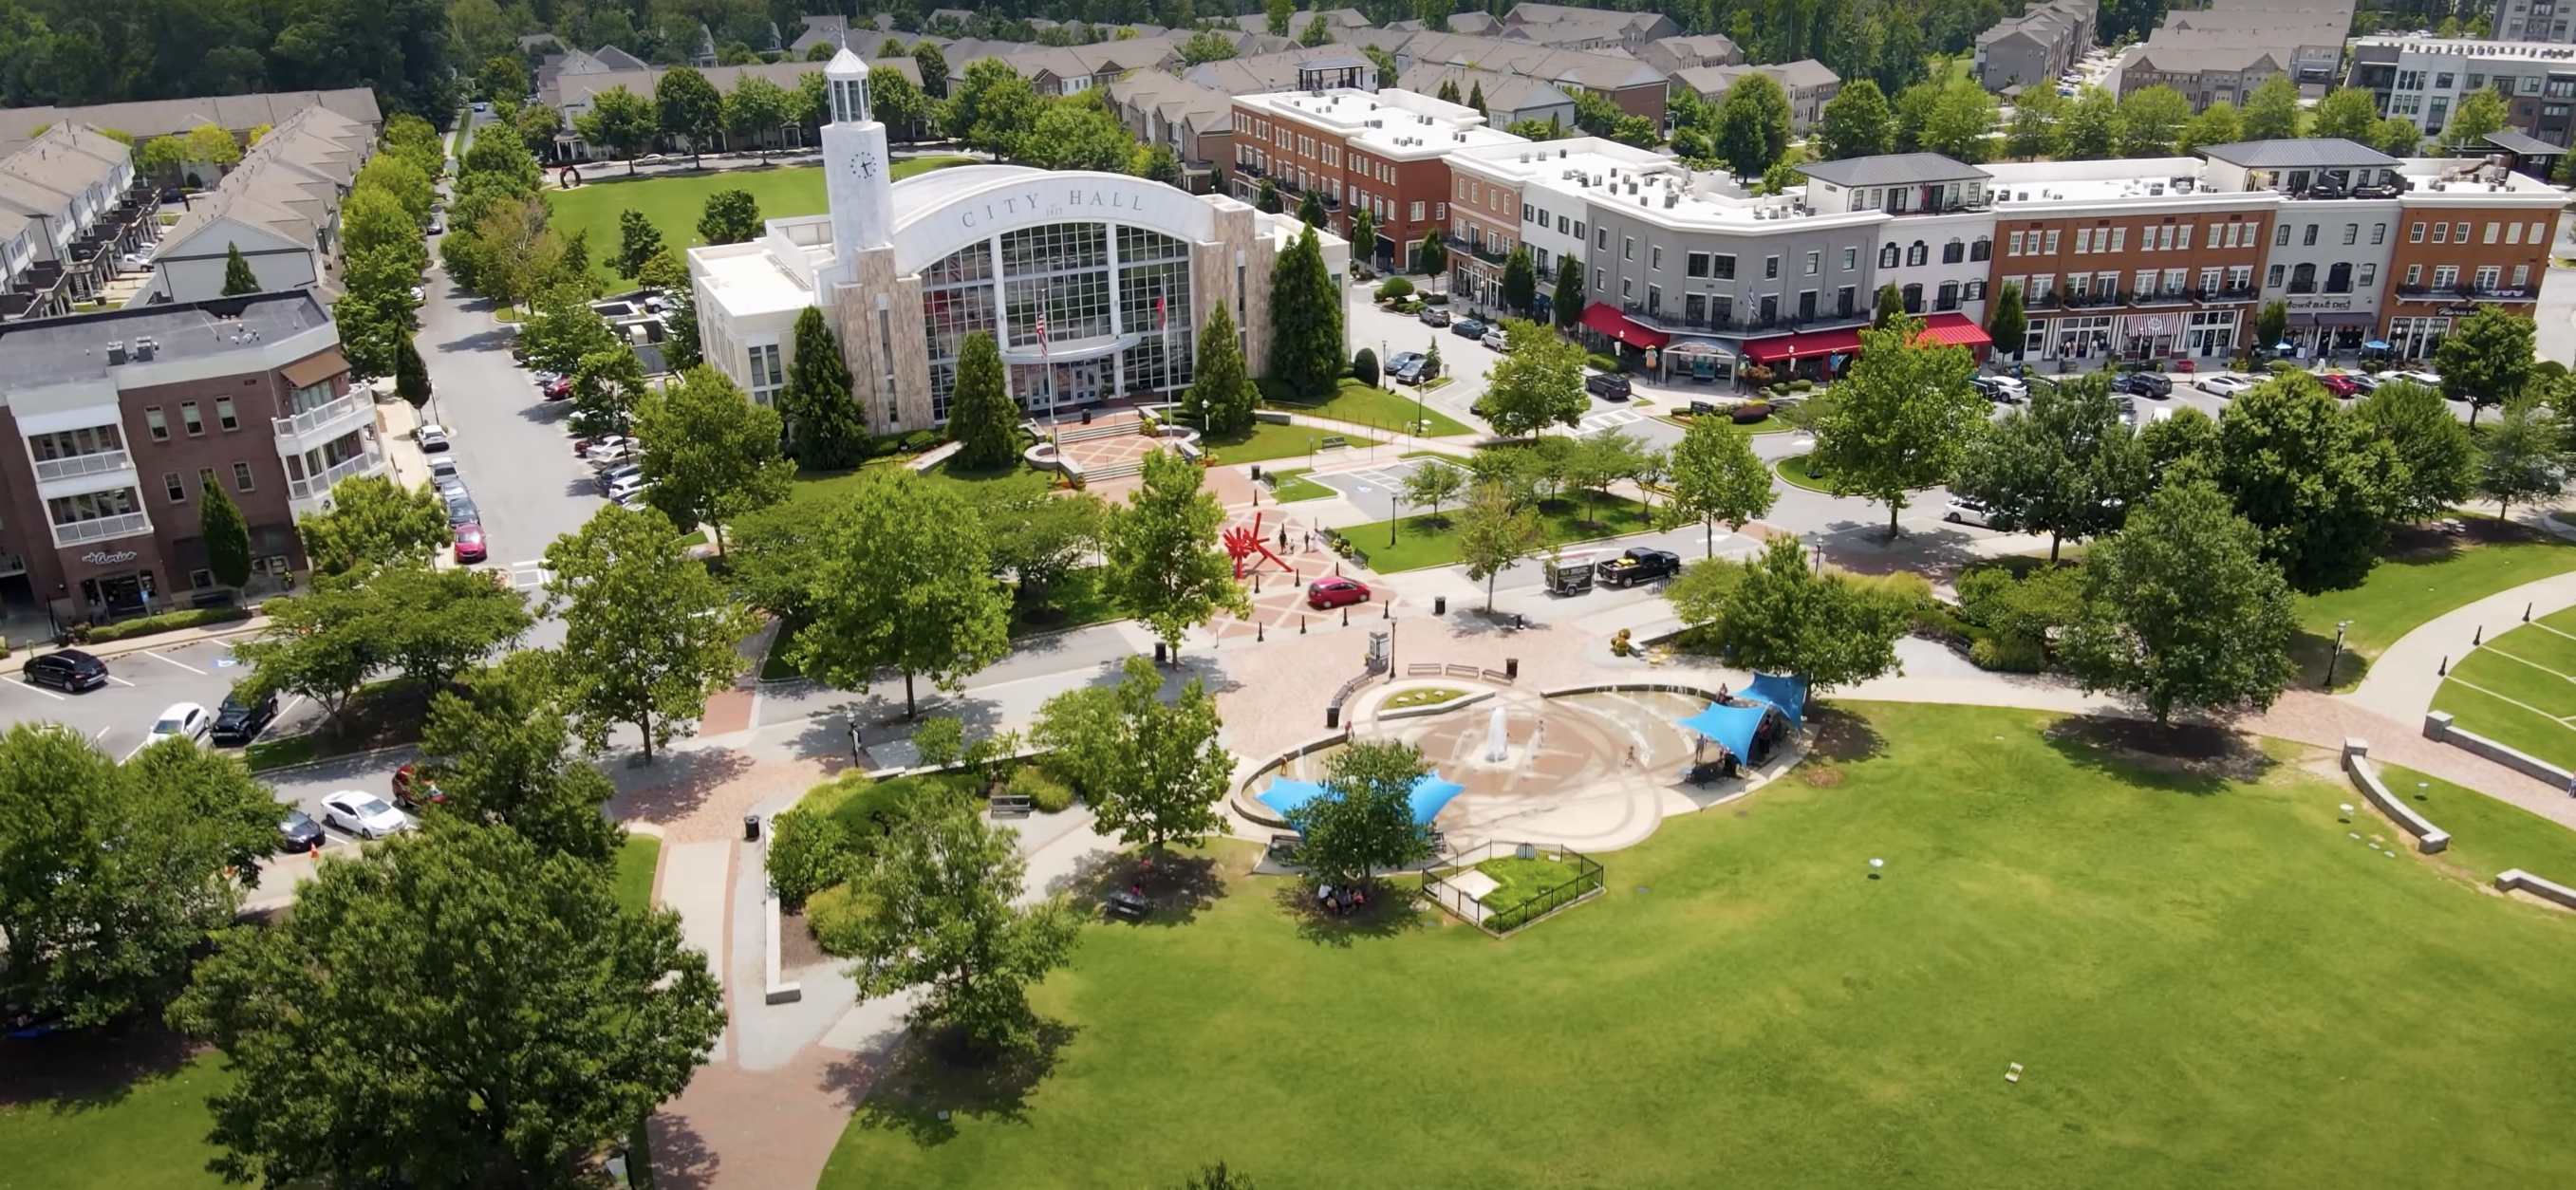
x=2240, y=364
x=2280, y=366
x=1364, y=366
x=809, y=845
x=834, y=916
x=1779, y=390
x=938, y=740
x=920, y=440
x=1408, y=306
x=1437, y=299
x=1751, y=412
x=165, y=622
x=1757, y=376
x=1046, y=794
x=1801, y=385
x=1605, y=363
x=1394, y=289
x=2007, y=654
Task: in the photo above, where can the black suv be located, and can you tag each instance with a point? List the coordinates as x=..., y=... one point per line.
x=242, y=718
x=68, y=670
x=1607, y=385
x=2144, y=384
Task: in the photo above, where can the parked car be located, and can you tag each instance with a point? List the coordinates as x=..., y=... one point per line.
x=461, y=511
x=2144, y=384
x=469, y=544
x=2427, y=379
x=1411, y=367
x=432, y=437
x=182, y=721
x=2365, y=383
x=2005, y=390
x=68, y=670
x=1334, y=591
x=241, y=719
x=1469, y=328
x=443, y=466
x=1639, y=565
x=363, y=814
x=1495, y=339
x=609, y=478
x=437, y=226
x=1435, y=316
x=410, y=789
x=1609, y=386
x=2336, y=383
x=298, y=832
x=610, y=449
x=557, y=389
x=2225, y=388
x=1964, y=511
x=449, y=486
x=418, y=295
x=626, y=487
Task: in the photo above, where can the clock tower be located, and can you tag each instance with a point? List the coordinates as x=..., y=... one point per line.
x=857, y=178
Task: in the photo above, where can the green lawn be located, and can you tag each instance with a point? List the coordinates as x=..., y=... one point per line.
x=1520, y=881
x=1768, y=425
x=2205, y=981
x=1294, y=486
x=1376, y=408
x=1794, y=470
x=147, y=1135
x=674, y=201
x=1420, y=541
x=2519, y=689
x=2401, y=594
x=831, y=485
x=2487, y=836
x=635, y=863
x=1267, y=441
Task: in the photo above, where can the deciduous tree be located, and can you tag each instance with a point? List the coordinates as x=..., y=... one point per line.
x=754, y=108
x=2312, y=477
x=2182, y=611
x=500, y=751
x=1904, y=419
x=2272, y=111
x=1164, y=564
x=2487, y=358
x=2440, y=458
x=905, y=585
x=1856, y=123
x=373, y=521
x=711, y=453
x=1717, y=480
x=2067, y=466
x=2093, y=129
x=2217, y=124
x=637, y=241
x=2038, y=127
x=1033, y=535
x=688, y=107
x=648, y=635
x=1753, y=124
x=2481, y=111
x=1784, y=616
x=1537, y=383
x=433, y=624
x=1433, y=483
x=731, y=217
x=1363, y=824
x=2523, y=456
x=2351, y=113
x=473, y=1055
x=1494, y=531
x=1153, y=771
x=2398, y=136
x=619, y=121
x=2151, y=119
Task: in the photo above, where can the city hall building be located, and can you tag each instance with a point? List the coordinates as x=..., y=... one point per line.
x=1094, y=284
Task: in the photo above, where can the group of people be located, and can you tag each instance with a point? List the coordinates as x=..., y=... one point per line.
x=1338, y=901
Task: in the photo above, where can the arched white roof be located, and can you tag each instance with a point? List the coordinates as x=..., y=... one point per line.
x=939, y=212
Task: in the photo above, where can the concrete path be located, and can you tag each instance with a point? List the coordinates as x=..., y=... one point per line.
x=2402, y=680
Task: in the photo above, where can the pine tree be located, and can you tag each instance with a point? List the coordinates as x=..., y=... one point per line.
x=1310, y=209
x=1520, y=281
x=227, y=536
x=411, y=375
x=1221, y=394
x=2006, y=324
x=981, y=415
x=826, y=428
x=1448, y=90
x=238, y=279
x=1305, y=320
x=1891, y=302
x=1568, y=300
x=1476, y=97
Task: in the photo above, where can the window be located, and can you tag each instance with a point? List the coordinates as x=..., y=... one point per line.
x=1843, y=299
x=1655, y=259
x=188, y=417
x=2012, y=247
x=2339, y=279
x=2441, y=233
x=2145, y=284
x=2379, y=233
x=1627, y=286
x=205, y=479
x=2051, y=249
x=1981, y=248
x=2083, y=241
x=2215, y=231
x=2513, y=233
x=1948, y=296
x=1815, y=263
x=2414, y=274
x=2446, y=276
x=2208, y=279
x=1529, y=214
x=1851, y=259
x=1695, y=264
x=1600, y=281
x=2459, y=233
x=1627, y=248
x=2241, y=277
x=1887, y=257
x=2352, y=233
x=2303, y=279
x=1954, y=252
x=224, y=414
x=178, y=491
x=2491, y=233
x=2415, y=233
x=2369, y=275
x=2308, y=238
x=2119, y=239
x=2535, y=236
x=1913, y=296
x=1722, y=267
x=2489, y=276
x=2521, y=275
x=1976, y=291
x=2281, y=239
x=2272, y=277
x=1602, y=234
x=1770, y=268
x=1417, y=210
x=1578, y=228
x=242, y=481
x=766, y=376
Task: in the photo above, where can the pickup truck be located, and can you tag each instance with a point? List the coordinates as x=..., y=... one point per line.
x=1640, y=565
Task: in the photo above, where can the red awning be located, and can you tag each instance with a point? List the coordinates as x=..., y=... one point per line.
x=1611, y=322
x=1806, y=346
x=1954, y=330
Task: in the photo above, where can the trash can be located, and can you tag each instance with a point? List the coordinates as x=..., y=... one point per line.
x=751, y=828
x=1439, y=605
x=1332, y=718
x=1162, y=653
x=1512, y=668
x=1256, y=473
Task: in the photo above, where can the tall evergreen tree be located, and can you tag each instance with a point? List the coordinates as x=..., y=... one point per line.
x=238, y=279
x=826, y=427
x=981, y=414
x=1221, y=395
x=411, y=375
x=1310, y=209
x=227, y=536
x=1567, y=302
x=2006, y=324
x=1305, y=320
x=1520, y=281
x=637, y=241
x=1476, y=96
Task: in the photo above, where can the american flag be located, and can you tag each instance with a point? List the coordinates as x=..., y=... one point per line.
x=1161, y=320
x=1041, y=328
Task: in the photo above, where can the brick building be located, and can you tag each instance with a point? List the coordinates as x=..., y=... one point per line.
x=1384, y=151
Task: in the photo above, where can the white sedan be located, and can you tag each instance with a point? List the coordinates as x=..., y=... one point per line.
x=183, y=721
x=2225, y=387
x=363, y=814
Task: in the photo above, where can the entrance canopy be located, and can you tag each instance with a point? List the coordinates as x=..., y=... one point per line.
x=1730, y=727
x=1608, y=321
x=1947, y=329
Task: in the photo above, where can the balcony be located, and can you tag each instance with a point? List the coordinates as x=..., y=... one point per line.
x=102, y=529
x=2471, y=293
x=2040, y=301
x=2224, y=296
x=76, y=466
x=314, y=487
x=2079, y=301
x=326, y=416
x=2159, y=298
x=1478, y=249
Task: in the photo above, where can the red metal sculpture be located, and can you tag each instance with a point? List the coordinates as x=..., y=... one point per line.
x=1243, y=543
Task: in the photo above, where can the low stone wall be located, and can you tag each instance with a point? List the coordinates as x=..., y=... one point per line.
x=2513, y=879
x=1615, y=687
x=1250, y=806
x=2356, y=762
x=2439, y=728
x=1466, y=700
x=773, y=988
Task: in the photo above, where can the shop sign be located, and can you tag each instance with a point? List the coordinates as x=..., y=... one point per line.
x=2457, y=311
x=104, y=558
x=2306, y=304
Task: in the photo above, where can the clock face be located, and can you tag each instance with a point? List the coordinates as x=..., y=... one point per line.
x=863, y=166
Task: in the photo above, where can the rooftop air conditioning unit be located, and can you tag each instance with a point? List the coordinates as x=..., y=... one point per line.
x=116, y=351
x=144, y=347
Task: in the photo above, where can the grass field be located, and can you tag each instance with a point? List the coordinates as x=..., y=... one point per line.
x=1294, y=486
x=635, y=864
x=2487, y=836
x=1793, y=470
x=2205, y=979
x=2405, y=591
x=1267, y=441
x=1422, y=541
x=148, y=1134
x=2520, y=688
x=674, y=201
x=832, y=485
x=1376, y=408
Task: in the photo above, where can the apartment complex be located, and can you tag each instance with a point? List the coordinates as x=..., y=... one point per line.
x=1383, y=152
x=280, y=208
x=2424, y=79
x=71, y=206
x=2534, y=20
x=2222, y=53
x=2033, y=49
x=127, y=419
x=1809, y=85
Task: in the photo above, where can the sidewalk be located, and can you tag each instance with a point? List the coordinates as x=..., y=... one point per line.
x=2401, y=682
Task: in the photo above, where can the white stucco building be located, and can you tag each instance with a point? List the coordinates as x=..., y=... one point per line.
x=1094, y=283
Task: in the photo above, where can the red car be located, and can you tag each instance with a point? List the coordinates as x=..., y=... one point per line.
x=469, y=544
x=1327, y=593
x=408, y=776
x=2339, y=384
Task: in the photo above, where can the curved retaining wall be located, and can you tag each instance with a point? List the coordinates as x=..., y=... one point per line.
x=2356, y=761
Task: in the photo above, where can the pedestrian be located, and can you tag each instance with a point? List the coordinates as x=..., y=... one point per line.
x=857, y=756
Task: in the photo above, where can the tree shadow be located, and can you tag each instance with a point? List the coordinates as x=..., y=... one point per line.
x=1837, y=736
x=1392, y=910
x=84, y=1069
x=676, y=785
x=682, y=1159
x=2200, y=759
x=1179, y=887
x=928, y=1082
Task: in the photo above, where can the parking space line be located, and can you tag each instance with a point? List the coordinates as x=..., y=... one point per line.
x=102, y=734
x=33, y=688
x=181, y=664
x=120, y=681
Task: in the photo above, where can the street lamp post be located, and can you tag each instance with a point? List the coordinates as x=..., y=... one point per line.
x=2337, y=654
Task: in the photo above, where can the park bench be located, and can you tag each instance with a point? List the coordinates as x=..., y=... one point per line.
x=1283, y=846
x=1015, y=805
x=1127, y=904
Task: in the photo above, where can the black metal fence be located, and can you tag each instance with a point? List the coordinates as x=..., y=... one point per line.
x=1582, y=881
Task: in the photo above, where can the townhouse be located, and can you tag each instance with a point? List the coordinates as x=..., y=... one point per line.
x=144, y=119
x=2424, y=79
x=2533, y=20
x=1509, y=98
x=1808, y=84
x=2033, y=49
x=71, y=207
x=2128, y=259
x=1572, y=28
x=280, y=208
x=572, y=94
x=1672, y=54
x=1383, y=152
x=1196, y=123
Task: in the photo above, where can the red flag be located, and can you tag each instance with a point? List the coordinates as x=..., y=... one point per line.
x=1041, y=328
x=1161, y=320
